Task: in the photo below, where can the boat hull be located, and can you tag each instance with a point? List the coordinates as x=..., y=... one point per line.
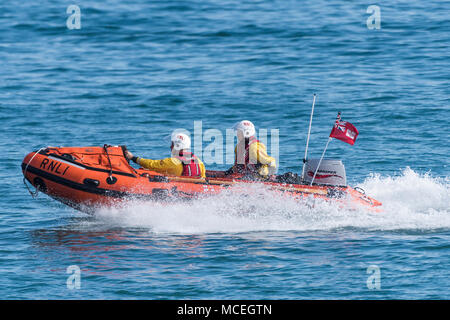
x=87, y=178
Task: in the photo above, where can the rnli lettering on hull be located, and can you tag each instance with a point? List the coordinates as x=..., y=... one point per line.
x=57, y=166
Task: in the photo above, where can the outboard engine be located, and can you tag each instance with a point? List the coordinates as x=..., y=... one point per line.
x=331, y=172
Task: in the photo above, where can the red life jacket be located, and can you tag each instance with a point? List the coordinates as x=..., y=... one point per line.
x=191, y=168
x=246, y=166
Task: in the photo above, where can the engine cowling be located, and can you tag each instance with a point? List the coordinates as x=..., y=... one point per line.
x=331, y=172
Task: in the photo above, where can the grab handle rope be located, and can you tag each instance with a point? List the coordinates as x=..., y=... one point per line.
x=36, y=192
x=106, y=146
x=110, y=179
x=360, y=190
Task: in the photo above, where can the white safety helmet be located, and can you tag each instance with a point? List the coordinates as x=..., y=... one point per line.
x=245, y=129
x=180, y=141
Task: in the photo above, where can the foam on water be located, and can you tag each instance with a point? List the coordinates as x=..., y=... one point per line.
x=410, y=201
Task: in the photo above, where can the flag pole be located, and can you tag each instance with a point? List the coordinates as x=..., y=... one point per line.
x=307, y=139
x=320, y=161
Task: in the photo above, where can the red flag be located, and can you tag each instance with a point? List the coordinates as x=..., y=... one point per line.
x=344, y=131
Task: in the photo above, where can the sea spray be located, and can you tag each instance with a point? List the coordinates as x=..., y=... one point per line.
x=410, y=201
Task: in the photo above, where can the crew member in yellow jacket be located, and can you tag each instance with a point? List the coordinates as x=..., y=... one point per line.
x=182, y=162
x=250, y=155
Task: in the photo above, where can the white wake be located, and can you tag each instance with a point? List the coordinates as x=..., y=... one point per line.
x=410, y=201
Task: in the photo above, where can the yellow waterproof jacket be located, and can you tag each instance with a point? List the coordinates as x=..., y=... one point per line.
x=170, y=166
x=265, y=164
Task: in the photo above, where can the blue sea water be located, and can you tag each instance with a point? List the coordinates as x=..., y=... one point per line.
x=138, y=69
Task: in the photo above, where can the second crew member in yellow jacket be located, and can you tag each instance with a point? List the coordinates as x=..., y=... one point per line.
x=182, y=162
x=251, y=156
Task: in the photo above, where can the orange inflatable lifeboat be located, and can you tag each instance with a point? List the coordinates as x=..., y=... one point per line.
x=89, y=177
